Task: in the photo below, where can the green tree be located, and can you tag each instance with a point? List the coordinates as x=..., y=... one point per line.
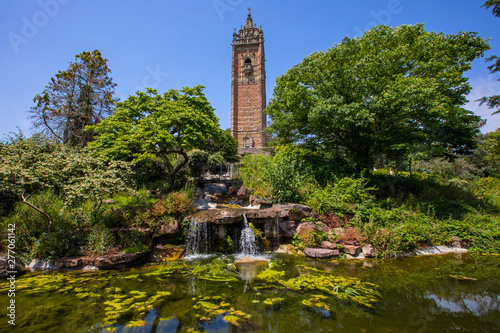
x=32, y=165
x=80, y=96
x=381, y=94
x=149, y=125
x=493, y=102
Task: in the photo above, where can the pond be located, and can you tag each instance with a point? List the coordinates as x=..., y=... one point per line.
x=451, y=293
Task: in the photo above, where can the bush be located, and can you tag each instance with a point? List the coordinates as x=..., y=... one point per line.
x=284, y=177
x=252, y=172
x=197, y=163
x=215, y=161
x=343, y=196
x=51, y=246
x=30, y=224
x=99, y=241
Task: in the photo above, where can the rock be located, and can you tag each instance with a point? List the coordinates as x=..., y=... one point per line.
x=287, y=228
x=359, y=256
x=263, y=203
x=328, y=245
x=286, y=248
x=221, y=231
x=249, y=267
x=311, y=225
x=251, y=260
x=170, y=228
x=89, y=268
x=439, y=250
x=233, y=189
x=120, y=260
x=163, y=253
x=369, y=251
x=41, y=265
x=243, y=193
x=68, y=262
x=320, y=253
x=353, y=250
x=6, y=261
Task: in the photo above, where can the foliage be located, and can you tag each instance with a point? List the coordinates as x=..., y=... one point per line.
x=99, y=241
x=253, y=173
x=310, y=234
x=340, y=196
x=30, y=165
x=31, y=225
x=215, y=161
x=495, y=4
x=493, y=102
x=80, y=96
x=198, y=160
x=148, y=126
x=284, y=177
x=351, y=235
x=226, y=145
x=340, y=101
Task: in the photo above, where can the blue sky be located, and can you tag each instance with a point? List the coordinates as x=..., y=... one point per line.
x=172, y=44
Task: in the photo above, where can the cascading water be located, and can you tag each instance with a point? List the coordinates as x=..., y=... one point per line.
x=248, y=241
x=277, y=234
x=198, y=240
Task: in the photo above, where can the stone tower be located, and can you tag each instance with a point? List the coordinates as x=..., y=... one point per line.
x=248, y=87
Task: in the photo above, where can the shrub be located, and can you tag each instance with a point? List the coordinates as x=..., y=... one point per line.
x=100, y=240
x=310, y=234
x=214, y=162
x=343, y=196
x=252, y=172
x=54, y=245
x=197, y=163
x=284, y=177
x=351, y=235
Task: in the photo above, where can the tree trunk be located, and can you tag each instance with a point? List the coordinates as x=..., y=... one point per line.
x=25, y=201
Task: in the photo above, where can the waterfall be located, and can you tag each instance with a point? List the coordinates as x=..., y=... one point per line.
x=277, y=234
x=248, y=242
x=198, y=239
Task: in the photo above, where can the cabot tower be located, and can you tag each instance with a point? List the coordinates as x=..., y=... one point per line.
x=248, y=87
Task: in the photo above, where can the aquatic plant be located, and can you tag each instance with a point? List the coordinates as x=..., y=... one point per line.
x=210, y=307
x=214, y=271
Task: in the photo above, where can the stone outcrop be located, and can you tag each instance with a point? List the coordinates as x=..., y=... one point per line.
x=284, y=212
x=120, y=260
x=261, y=203
x=369, y=251
x=320, y=253
x=352, y=250
x=243, y=193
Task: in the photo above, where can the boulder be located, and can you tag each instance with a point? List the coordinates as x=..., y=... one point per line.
x=120, y=260
x=11, y=264
x=328, y=245
x=320, y=253
x=69, y=262
x=369, y=251
x=41, y=265
x=287, y=228
x=263, y=203
x=311, y=225
x=243, y=193
x=353, y=250
x=170, y=228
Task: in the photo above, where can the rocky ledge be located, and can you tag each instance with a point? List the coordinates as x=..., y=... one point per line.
x=111, y=261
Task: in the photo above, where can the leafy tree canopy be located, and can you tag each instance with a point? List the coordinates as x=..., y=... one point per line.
x=493, y=102
x=149, y=125
x=35, y=164
x=385, y=93
x=79, y=96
